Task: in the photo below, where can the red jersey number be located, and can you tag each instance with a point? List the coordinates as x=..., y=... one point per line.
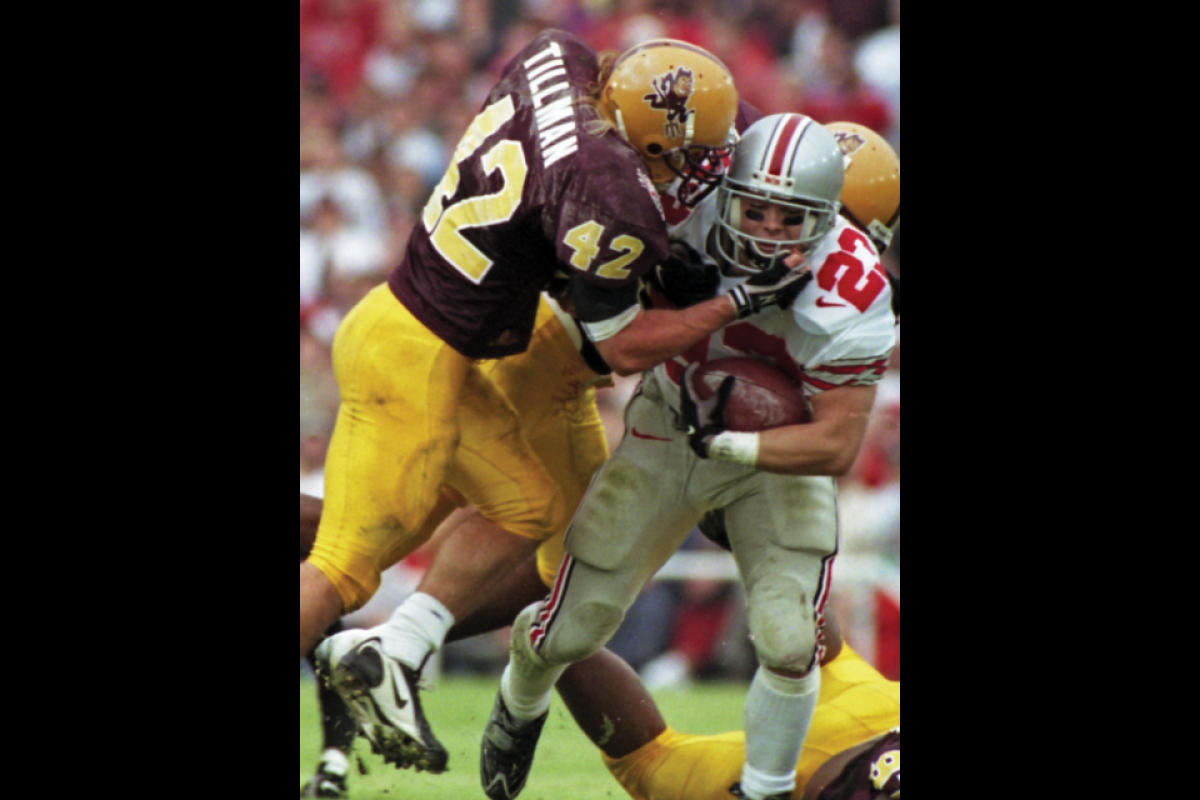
x=843, y=273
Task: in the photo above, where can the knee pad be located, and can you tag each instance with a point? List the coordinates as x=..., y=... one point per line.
x=581, y=632
x=783, y=624
x=520, y=647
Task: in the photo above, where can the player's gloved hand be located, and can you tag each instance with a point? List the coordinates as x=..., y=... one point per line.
x=707, y=428
x=705, y=419
x=777, y=286
x=685, y=279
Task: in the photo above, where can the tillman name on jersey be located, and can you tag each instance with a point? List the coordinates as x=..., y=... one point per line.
x=555, y=116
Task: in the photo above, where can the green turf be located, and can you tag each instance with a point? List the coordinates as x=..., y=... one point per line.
x=568, y=766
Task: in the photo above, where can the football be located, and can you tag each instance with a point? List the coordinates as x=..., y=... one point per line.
x=763, y=396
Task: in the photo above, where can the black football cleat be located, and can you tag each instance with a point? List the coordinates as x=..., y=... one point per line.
x=507, y=752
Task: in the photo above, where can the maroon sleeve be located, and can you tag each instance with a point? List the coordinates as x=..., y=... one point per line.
x=610, y=224
x=747, y=116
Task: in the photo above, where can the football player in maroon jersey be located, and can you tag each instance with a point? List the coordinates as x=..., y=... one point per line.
x=852, y=754
x=559, y=173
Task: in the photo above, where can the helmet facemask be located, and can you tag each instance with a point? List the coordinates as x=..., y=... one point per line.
x=789, y=161
x=807, y=220
x=700, y=170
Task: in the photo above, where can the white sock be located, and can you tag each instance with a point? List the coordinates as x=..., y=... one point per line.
x=335, y=762
x=417, y=628
x=779, y=712
x=526, y=698
x=757, y=785
x=528, y=681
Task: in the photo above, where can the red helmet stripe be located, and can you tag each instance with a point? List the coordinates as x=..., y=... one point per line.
x=784, y=143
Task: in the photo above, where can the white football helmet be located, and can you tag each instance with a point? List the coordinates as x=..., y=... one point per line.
x=790, y=160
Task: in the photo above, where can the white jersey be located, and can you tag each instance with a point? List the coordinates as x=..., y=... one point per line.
x=840, y=331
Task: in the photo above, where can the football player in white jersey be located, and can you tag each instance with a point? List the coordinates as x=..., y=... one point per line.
x=777, y=210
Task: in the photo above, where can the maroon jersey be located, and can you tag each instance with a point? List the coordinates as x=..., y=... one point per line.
x=529, y=193
x=747, y=115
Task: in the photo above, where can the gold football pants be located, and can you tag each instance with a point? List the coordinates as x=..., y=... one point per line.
x=406, y=398
x=553, y=392
x=415, y=414
x=857, y=704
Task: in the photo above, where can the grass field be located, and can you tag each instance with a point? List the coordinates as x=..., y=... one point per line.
x=568, y=766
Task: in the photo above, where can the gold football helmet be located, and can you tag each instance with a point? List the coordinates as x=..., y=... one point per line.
x=676, y=104
x=871, y=195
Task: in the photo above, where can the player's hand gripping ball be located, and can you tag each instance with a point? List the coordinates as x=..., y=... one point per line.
x=762, y=397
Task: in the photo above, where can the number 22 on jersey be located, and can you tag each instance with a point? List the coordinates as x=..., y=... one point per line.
x=445, y=226
x=844, y=273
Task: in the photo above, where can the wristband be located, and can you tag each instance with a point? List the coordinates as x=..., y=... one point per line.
x=741, y=303
x=736, y=448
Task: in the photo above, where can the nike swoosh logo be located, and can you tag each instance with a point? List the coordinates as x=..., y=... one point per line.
x=823, y=303
x=501, y=781
x=639, y=435
x=372, y=668
x=401, y=703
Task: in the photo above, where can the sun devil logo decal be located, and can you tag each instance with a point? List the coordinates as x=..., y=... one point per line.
x=849, y=142
x=885, y=774
x=671, y=94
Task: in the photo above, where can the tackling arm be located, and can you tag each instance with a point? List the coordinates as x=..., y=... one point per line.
x=632, y=340
x=655, y=336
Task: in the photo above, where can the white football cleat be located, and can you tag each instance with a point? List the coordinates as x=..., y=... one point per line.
x=383, y=696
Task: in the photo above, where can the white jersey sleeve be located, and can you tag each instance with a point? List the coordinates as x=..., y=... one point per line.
x=846, y=312
x=840, y=331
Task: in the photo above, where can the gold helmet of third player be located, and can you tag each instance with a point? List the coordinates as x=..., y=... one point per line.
x=871, y=196
x=676, y=104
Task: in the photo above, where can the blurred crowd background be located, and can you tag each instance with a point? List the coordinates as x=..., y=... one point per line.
x=387, y=88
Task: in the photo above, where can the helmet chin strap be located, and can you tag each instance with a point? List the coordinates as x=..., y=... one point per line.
x=718, y=239
x=750, y=260
x=621, y=125
x=740, y=247
x=760, y=260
